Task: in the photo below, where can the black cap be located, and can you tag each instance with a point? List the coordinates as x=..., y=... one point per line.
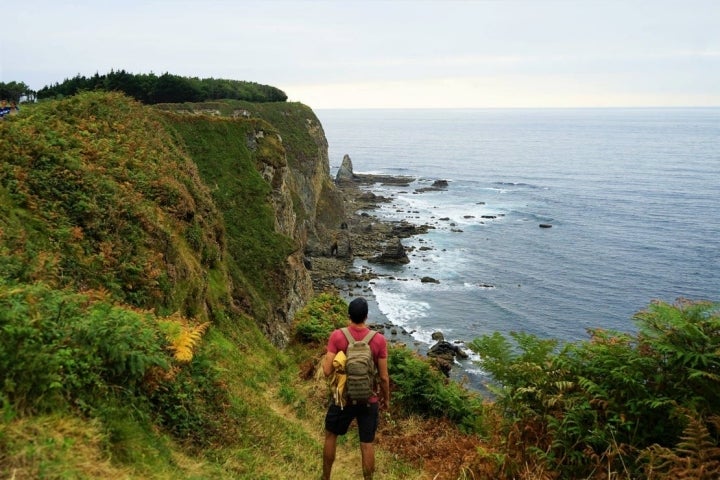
x=358, y=310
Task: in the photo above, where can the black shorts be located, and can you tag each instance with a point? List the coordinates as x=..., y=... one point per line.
x=338, y=420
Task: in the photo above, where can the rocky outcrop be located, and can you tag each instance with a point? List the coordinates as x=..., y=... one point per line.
x=444, y=353
x=393, y=253
x=345, y=173
x=437, y=185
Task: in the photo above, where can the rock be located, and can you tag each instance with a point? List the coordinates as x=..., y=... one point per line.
x=442, y=364
x=393, y=253
x=438, y=185
x=444, y=353
x=429, y=280
x=367, y=196
x=545, y=225
x=405, y=229
x=438, y=336
x=345, y=174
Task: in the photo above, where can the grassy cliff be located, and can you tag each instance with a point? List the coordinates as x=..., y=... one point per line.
x=139, y=253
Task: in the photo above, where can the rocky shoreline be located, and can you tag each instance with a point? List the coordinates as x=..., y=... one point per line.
x=364, y=235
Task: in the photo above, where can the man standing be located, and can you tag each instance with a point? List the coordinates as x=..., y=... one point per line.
x=338, y=417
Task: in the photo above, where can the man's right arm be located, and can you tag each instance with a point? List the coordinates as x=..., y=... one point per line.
x=328, y=363
x=332, y=350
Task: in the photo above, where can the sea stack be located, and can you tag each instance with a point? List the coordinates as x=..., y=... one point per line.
x=345, y=174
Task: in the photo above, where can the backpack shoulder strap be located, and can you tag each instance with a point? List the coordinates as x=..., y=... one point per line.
x=352, y=341
x=369, y=337
x=348, y=335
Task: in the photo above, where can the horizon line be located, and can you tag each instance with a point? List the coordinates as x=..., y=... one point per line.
x=625, y=107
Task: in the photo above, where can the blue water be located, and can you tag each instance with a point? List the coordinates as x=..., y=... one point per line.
x=633, y=196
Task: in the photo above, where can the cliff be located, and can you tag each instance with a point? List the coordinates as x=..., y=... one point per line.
x=285, y=144
x=151, y=261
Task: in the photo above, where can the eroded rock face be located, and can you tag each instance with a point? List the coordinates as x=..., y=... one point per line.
x=308, y=208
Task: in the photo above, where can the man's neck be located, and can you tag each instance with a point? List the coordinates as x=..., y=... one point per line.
x=358, y=326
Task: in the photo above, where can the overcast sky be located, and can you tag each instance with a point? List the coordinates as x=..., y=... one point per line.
x=374, y=53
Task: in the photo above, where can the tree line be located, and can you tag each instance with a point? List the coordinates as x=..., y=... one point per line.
x=166, y=88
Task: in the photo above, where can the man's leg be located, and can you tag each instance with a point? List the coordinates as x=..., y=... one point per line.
x=329, y=454
x=367, y=450
x=367, y=425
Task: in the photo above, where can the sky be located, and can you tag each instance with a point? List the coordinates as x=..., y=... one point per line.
x=386, y=54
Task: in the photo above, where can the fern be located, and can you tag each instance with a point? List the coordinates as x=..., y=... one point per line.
x=182, y=337
x=696, y=456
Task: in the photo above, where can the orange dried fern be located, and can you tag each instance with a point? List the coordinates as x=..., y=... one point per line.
x=183, y=338
x=696, y=456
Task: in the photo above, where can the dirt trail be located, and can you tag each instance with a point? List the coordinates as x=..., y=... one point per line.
x=348, y=461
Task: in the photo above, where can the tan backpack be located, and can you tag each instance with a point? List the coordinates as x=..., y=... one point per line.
x=360, y=368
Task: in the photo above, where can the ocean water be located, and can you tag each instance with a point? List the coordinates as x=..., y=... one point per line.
x=633, y=197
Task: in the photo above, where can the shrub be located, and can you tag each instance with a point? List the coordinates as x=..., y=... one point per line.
x=192, y=404
x=596, y=404
x=317, y=320
x=60, y=349
x=420, y=388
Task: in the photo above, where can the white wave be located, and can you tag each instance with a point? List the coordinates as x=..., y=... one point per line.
x=397, y=308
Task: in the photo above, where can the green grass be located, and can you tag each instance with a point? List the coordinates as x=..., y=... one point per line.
x=257, y=254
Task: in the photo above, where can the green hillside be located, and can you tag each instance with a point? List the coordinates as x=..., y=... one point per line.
x=114, y=258
x=150, y=323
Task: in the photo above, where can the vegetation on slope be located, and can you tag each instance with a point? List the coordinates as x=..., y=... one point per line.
x=228, y=157
x=303, y=141
x=113, y=261
x=637, y=406
x=90, y=200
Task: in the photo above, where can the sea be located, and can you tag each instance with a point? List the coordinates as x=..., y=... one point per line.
x=628, y=200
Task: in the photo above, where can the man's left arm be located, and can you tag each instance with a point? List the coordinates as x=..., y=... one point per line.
x=384, y=382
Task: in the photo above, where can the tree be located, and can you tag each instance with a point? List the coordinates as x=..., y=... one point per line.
x=13, y=91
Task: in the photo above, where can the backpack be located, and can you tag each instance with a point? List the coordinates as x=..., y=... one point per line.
x=360, y=368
